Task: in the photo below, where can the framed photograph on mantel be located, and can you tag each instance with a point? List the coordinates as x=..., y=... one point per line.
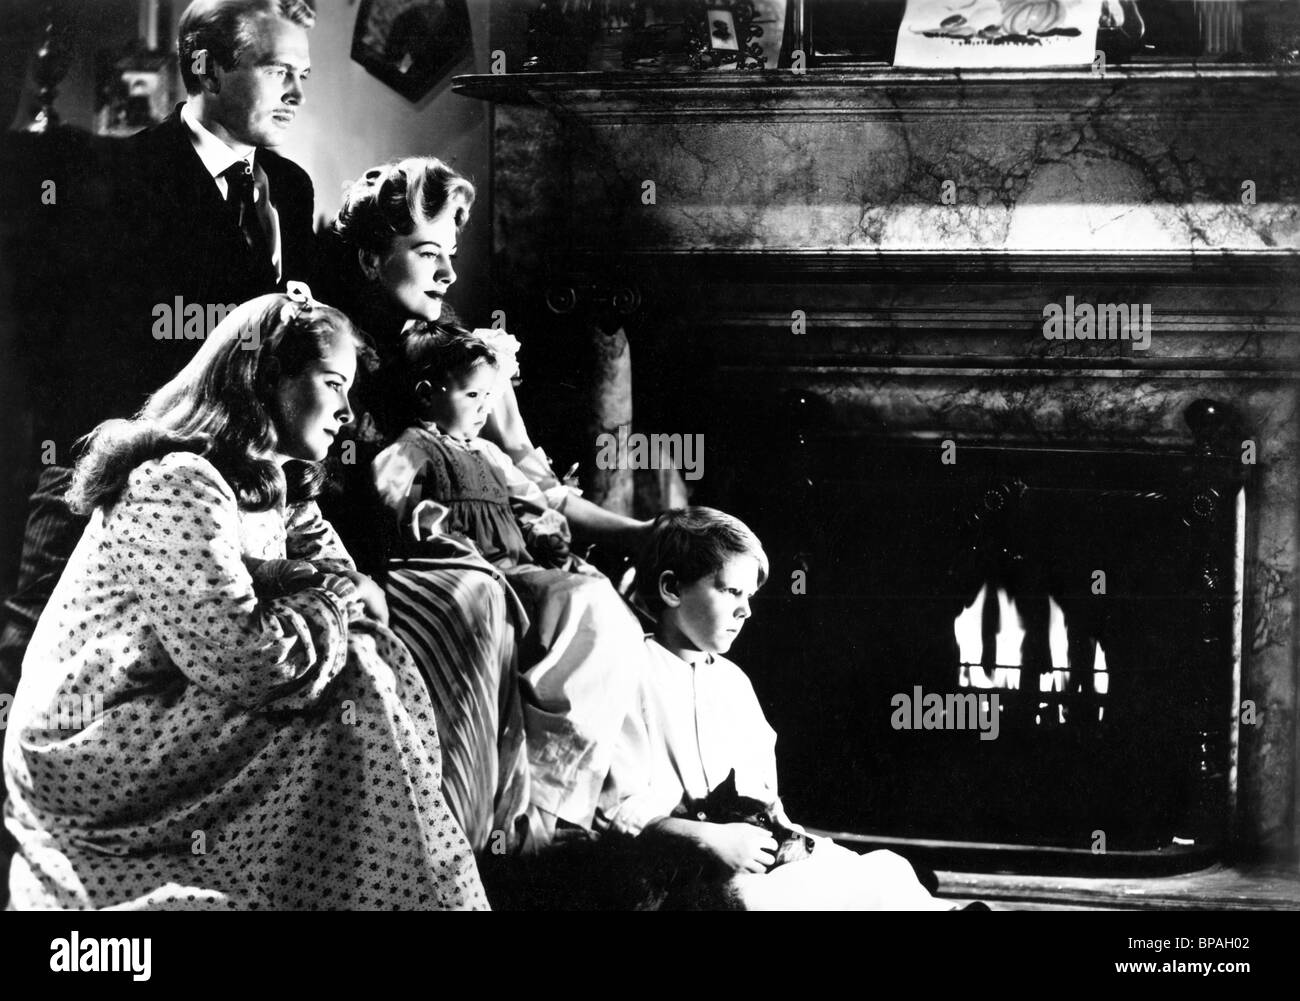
x=684, y=35
x=411, y=44
x=866, y=33
x=722, y=33
x=998, y=34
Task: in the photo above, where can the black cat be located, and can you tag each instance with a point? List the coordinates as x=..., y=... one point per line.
x=723, y=805
x=580, y=871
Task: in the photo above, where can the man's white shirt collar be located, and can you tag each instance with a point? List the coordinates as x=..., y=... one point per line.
x=217, y=157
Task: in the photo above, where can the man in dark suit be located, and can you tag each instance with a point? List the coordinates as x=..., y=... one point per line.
x=226, y=218
x=200, y=215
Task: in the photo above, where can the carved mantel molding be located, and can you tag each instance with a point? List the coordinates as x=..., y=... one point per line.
x=1207, y=93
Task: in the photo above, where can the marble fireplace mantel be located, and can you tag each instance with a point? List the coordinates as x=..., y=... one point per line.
x=1149, y=158
x=1159, y=90
x=825, y=193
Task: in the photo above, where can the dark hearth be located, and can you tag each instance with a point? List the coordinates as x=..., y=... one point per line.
x=1089, y=589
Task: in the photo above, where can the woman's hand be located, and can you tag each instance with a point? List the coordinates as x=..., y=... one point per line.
x=359, y=591
x=274, y=578
x=593, y=523
x=739, y=847
x=639, y=535
x=297, y=576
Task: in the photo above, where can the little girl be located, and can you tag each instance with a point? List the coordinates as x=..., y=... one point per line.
x=393, y=245
x=388, y=257
x=697, y=721
x=392, y=249
x=581, y=651
x=257, y=738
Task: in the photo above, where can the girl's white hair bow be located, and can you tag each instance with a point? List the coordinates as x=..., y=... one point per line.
x=300, y=299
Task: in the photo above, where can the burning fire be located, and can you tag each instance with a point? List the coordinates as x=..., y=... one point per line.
x=1004, y=666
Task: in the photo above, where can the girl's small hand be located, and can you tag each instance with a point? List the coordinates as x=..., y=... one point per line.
x=740, y=847
x=361, y=593
x=370, y=595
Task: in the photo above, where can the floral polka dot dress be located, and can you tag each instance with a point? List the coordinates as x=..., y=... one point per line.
x=179, y=742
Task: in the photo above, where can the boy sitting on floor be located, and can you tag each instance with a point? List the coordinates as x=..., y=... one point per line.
x=697, y=719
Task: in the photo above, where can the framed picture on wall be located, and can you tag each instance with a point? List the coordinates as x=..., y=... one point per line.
x=133, y=92
x=411, y=44
x=722, y=30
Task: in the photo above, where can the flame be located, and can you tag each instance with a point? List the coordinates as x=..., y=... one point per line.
x=1057, y=642
x=969, y=632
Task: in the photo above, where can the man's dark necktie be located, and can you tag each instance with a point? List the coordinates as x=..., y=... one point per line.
x=239, y=178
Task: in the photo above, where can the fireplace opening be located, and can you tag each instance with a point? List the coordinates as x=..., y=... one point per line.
x=1086, y=597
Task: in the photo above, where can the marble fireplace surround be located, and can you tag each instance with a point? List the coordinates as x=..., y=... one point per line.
x=824, y=193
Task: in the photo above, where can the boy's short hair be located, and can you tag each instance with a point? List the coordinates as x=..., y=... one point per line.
x=692, y=543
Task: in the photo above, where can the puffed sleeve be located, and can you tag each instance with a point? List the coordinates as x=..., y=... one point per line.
x=175, y=540
x=395, y=470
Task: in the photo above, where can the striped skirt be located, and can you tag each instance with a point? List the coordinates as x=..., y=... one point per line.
x=457, y=623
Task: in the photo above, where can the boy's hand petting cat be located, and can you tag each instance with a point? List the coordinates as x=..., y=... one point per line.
x=360, y=592
x=740, y=847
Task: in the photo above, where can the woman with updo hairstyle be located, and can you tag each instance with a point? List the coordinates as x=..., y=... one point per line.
x=400, y=225
x=212, y=712
x=393, y=245
x=385, y=204
x=389, y=256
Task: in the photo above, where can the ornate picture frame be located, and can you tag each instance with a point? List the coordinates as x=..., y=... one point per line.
x=411, y=44
x=721, y=33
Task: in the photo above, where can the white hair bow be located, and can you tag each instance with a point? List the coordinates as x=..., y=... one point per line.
x=300, y=298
